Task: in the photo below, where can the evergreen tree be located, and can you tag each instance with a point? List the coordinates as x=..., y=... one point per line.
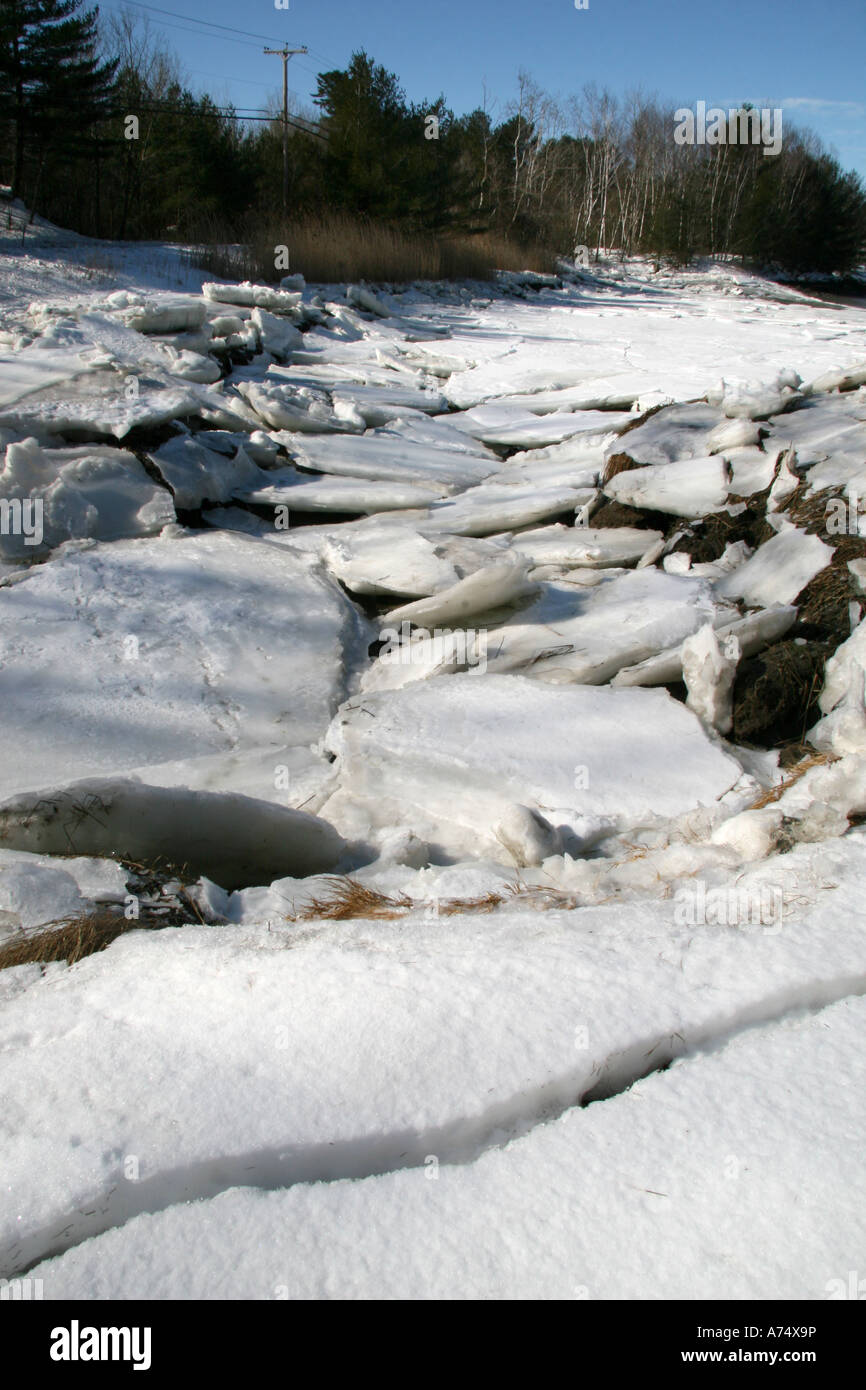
x=54, y=92
x=367, y=120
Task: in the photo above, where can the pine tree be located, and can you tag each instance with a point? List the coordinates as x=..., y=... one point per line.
x=53, y=90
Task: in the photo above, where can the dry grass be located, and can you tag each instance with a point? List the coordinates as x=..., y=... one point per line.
x=824, y=602
x=641, y=419
x=346, y=899
x=774, y=793
x=618, y=463
x=84, y=933
x=484, y=902
x=70, y=939
x=335, y=248
x=808, y=509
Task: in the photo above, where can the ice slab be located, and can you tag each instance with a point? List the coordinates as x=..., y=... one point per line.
x=197, y=474
x=586, y=546
x=87, y=492
x=577, y=634
x=234, y=840
x=492, y=507
x=778, y=570
x=140, y=652
x=384, y=456
x=389, y=560
x=515, y=427
x=103, y=404
x=449, y=755
x=299, y=492
x=250, y=295
x=690, y=488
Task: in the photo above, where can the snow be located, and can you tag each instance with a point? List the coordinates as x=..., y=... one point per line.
x=602, y=1227
x=449, y=697
x=35, y=889
x=338, y=1080
x=260, y=296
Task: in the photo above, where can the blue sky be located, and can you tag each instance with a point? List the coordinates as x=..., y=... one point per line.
x=808, y=58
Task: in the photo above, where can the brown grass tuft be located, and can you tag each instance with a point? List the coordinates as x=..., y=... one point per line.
x=485, y=902
x=346, y=899
x=70, y=939
x=808, y=509
x=824, y=602
x=774, y=793
x=641, y=419
x=619, y=463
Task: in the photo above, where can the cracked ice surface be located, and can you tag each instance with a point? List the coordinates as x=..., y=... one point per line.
x=428, y=1105
x=333, y=1064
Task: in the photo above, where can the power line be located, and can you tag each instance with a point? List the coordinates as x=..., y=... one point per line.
x=201, y=33
x=232, y=114
x=193, y=19
x=225, y=77
x=285, y=52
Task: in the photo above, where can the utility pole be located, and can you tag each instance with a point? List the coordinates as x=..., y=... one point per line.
x=285, y=53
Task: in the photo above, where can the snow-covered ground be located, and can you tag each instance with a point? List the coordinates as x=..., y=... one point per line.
x=404, y=586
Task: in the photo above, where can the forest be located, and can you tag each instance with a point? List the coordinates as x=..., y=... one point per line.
x=538, y=174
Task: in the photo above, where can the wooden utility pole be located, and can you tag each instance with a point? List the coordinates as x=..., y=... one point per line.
x=285, y=54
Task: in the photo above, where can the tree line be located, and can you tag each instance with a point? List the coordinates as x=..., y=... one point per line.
x=597, y=170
